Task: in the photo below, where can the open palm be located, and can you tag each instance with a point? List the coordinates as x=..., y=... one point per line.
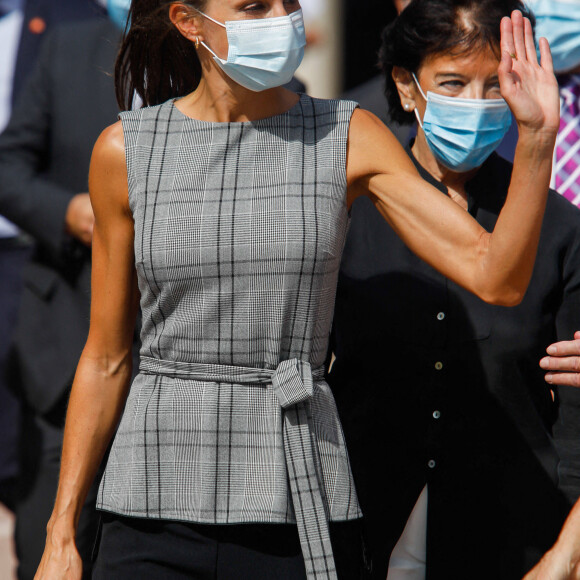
x=529, y=87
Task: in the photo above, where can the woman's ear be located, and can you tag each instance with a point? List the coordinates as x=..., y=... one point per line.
x=406, y=88
x=187, y=21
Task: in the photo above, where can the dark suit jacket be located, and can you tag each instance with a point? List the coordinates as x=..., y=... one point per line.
x=46, y=14
x=44, y=160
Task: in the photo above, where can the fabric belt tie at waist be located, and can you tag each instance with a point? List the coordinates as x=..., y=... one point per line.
x=292, y=383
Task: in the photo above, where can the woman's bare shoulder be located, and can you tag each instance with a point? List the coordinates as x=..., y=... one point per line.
x=108, y=172
x=110, y=145
x=373, y=149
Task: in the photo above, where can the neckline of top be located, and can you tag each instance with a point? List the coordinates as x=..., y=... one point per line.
x=301, y=97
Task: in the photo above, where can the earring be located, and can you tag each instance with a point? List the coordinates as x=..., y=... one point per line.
x=406, y=106
x=196, y=42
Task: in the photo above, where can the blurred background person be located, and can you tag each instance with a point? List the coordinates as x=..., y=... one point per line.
x=23, y=26
x=445, y=389
x=559, y=22
x=44, y=158
x=370, y=93
x=562, y=561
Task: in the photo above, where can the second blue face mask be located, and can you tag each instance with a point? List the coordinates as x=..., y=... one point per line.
x=264, y=52
x=118, y=11
x=559, y=22
x=463, y=133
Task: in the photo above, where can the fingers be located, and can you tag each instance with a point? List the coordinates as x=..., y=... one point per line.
x=546, y=56
x=507, y=50
x=563, y=379
x=564, y=364
x=518, y=35
x=505, y=67
x=517, y=38
x=565, y=348
x=529, y=42
x=507, y=37
x=569, y=363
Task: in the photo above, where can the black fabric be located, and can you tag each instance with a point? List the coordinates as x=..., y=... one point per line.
x=49, y=14
x=458, y=400
x=151, y=549
x=13, y=258
x=40, y=453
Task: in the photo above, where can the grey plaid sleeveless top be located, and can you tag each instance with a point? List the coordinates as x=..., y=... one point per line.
x=239, y=230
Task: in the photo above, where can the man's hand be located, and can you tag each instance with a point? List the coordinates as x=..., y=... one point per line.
x=563, y=362
x=79, y=219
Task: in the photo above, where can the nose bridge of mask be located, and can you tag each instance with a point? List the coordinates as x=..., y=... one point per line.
x=258, y=40
x=245, y=38
x=448, y=107
x=487, y=114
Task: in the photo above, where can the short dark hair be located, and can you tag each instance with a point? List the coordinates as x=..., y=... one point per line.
x=429, y=27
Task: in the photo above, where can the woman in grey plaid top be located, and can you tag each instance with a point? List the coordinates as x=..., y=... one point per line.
x=225, y=213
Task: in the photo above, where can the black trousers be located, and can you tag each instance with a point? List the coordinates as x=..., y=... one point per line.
x=130, y=548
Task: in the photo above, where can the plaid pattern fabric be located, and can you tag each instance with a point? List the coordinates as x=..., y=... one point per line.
x=566, y=173
x=239, y=230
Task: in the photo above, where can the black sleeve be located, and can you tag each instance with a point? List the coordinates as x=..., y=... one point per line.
x=566, y=429
x=568, y=316
x=27, y=197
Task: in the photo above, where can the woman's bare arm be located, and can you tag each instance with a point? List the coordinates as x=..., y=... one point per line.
x=496, y=266
x=102, y=379
x=562, y=562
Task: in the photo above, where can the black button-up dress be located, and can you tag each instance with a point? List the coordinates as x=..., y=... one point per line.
x=436, y=387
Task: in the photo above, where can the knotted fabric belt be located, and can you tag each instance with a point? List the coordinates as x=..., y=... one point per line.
x=292, y=383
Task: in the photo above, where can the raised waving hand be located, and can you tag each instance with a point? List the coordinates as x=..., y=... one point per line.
x=528, y=86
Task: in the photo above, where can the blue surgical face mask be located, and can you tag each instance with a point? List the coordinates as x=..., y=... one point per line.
x=463, y=133
x=263, y=53
x=559, y=22
x=118, y=11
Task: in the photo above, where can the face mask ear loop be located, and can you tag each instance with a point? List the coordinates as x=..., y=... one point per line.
x=418, y=118
x=419, y=87
x=210, y=18
x=203, y=43
x=211, y=51
x=423, y=95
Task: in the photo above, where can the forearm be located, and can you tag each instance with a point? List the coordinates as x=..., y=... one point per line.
x=496, y=266
x=508, y=262
x=562, y=561
x=96, y=403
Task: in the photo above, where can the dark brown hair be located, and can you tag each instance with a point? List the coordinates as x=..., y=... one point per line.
x=428, y=27
x=155, y=60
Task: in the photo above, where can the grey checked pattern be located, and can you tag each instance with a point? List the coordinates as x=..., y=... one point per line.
x=239, y=230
